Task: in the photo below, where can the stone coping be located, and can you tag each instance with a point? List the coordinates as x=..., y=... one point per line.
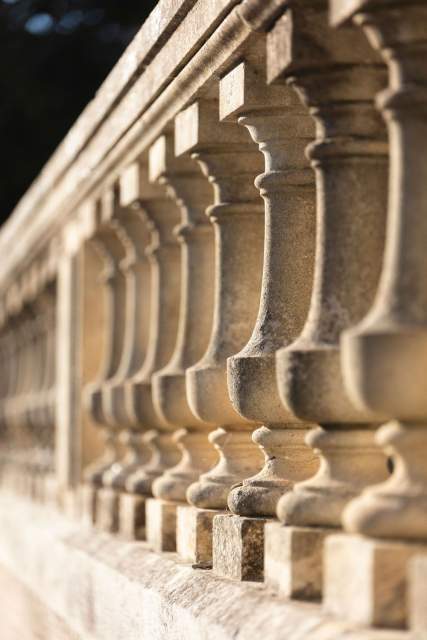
x=107, y=589
x=182, y=46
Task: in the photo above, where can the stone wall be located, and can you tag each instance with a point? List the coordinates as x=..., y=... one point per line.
x=212, y=318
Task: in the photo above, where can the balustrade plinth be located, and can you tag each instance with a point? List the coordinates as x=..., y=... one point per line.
x=237, y=549
x=160, y=525
x=287, y=460
x=366, y=580
x=293, y=563
x=238, y=459
x=132, y=516
x=194, y=535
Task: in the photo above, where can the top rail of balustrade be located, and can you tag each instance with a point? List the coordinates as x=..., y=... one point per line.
x=179, y=50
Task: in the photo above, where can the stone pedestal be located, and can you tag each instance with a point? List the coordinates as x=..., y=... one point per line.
x=417, y=595
x=107, y=510
x=238, y=547
x=132, y=516
x=160, y=524
x=88, y=502
x=365, y=580
x=71, y=503
x=293, y=561
x=194, y=535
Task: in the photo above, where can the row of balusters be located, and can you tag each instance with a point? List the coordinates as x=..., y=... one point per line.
x=265, y=290
x=27, y=390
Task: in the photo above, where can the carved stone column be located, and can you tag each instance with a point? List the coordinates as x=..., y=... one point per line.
x=107, y=242
x=231, y=162
x=384, y=356
x=281, y=128
x=134, y=235
x=192, y=192
x=164, y=256
x=337, y=75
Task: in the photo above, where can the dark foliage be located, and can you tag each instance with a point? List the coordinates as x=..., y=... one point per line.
x=54, y=54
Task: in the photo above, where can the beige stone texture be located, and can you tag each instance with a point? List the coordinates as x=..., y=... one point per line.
x=194, y=535
x=105, y=589
x=107, y=510
x=88, y=501
x=384, y=355
x=231, y=162
x=237, y=547
x=160, y=524
x=192, y=193
x=417, y=585
x=366, y=580
x=293, y=560
x=334, y=72
x=132, y=516
x=281, y=127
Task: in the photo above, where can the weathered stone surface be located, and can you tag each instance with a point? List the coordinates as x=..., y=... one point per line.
x=88, y=501
x=160, y=524
x=238, y=547
x=417, y=594
x=194, y=535
x=107, y=510
x=132, y=516
x=366, y=580
x=293, y=560
x=107, y=589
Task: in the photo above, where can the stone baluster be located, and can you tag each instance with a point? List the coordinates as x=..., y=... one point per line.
x=384, y=356
x=281, y=127
x=30, y=371
x=192, y=192
x=129, y=225
x=135, y=236
x=164, y=257
x=231, y=162
x=47, y=402
x=35, y=401
x=108, y=244
x=337, y=75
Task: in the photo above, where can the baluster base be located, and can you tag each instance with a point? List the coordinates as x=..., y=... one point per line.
x=238, y=547
x=293, y=560
x=164, y=455
x=239, y=459
x=160, y=524
x=132, y=516
x=88, y=503
x=198, y=455
x=349, y=461
x=194, y=535
x=396, y=508
x=366, y=580
x=107, y=510
x=287, y=460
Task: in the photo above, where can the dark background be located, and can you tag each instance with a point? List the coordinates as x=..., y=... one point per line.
x=54, y=54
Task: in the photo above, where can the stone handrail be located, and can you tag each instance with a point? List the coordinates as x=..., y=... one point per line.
x=212, y=303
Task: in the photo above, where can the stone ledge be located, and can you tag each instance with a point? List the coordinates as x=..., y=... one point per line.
x=108, y=589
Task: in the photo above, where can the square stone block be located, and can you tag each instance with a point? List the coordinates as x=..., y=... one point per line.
x=132, y=516
x=88, y=504
x=238, y=547
x=50, y=491
x=71, y=503
x=293, y=561
x=417, y=600
x=107, y=510
x=194, y=535
x=160, y=524
x=365, y=580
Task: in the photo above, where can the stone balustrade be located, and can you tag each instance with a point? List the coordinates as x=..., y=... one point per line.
x=213, y=310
